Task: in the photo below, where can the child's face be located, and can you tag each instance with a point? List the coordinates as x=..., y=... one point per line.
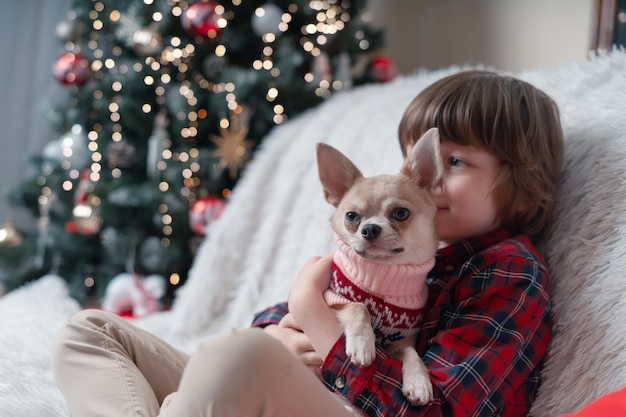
x=467, y=206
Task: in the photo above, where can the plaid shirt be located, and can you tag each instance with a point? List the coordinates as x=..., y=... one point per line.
x=485, y=333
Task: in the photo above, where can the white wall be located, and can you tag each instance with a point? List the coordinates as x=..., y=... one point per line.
x=510, y=35
x=28, y=48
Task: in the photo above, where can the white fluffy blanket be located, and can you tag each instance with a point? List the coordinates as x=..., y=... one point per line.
x=277, y=218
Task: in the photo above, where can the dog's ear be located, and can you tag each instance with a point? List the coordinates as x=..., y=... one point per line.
x=424, y=161
x=337, y=173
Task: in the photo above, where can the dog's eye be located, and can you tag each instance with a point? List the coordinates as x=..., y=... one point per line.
x=400, y=214
x=352, y=217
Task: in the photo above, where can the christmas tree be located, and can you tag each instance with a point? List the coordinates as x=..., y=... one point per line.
x=166, y=102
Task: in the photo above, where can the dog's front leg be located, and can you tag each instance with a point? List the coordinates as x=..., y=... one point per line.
x=416, y=385
x=357, y=325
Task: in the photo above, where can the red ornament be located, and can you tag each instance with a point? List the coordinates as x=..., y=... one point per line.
x=86, y=218
x=204, y=212
x=383, y=69
x=201, y=19
x=71, y=69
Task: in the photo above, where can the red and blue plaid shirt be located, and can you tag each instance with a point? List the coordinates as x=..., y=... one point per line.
x=485, y=333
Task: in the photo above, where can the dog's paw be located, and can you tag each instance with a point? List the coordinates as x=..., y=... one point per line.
x=361, y=348
x=417, y=389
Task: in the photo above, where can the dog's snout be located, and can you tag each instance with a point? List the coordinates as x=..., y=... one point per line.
x=370, y=232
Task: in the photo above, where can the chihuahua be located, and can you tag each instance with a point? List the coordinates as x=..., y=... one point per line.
x=384, y=229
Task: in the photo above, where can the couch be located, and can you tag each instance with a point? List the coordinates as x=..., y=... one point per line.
x=277, y=218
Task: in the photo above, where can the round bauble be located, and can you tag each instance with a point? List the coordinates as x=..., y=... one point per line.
x=70, y=147
x=382, y=69
x=86, y=218
x=147, y=42
x=201, y=19
x=204, y=212
x=71, y=69
x=267, y=19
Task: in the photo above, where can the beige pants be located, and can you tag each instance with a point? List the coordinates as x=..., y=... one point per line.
x=105, y=366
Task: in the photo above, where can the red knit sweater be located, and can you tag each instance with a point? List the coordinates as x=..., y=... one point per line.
x=393, y=294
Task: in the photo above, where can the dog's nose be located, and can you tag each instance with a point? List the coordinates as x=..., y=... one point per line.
x=370, y=232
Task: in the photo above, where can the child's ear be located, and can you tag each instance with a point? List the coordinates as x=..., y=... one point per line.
x=522, y=203
x=424, y=163
x=337, y=173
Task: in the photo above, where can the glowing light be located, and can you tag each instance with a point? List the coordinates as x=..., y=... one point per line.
x=272, y=93
x=174, y=279
x=220, y=50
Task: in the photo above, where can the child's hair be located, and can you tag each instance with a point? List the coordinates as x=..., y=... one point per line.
x=514, y=121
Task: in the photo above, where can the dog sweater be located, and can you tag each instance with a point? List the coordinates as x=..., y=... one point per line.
x=393, y=294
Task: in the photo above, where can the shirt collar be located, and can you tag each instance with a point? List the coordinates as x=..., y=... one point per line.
x=450, y=258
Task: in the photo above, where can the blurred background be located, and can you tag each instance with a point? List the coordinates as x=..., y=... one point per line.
x=506, y=34
x=69, y=224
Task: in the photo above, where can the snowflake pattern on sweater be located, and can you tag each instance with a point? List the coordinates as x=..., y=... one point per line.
x=393, y=294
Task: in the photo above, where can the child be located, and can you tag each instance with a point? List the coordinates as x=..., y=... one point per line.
x=486, y=327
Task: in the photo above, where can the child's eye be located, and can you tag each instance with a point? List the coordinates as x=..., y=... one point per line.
x=455, y=162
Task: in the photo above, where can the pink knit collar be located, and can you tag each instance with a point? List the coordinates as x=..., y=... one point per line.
x=387, y=280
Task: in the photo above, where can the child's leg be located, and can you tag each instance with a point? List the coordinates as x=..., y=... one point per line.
x=104, y=365
x=248, y=373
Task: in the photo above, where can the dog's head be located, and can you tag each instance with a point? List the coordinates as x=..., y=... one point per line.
x=385, y=218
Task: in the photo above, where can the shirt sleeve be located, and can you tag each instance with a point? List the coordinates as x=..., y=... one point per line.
x=271, y=315
x=493, y=332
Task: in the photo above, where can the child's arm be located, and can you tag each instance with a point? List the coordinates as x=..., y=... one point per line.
x=307, y=305
x=490, y=342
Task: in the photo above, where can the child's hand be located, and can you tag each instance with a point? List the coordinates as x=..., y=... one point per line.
x=291, y=336
x=307, y=305
x=313, y=278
